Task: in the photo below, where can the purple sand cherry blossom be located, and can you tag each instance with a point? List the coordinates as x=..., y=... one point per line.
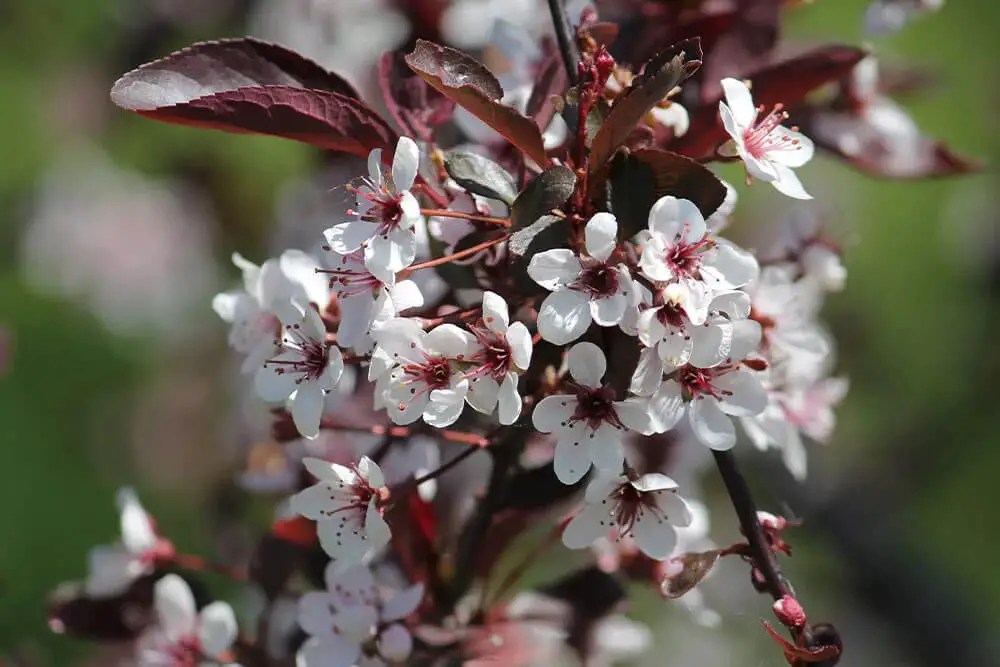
x=645, y=508
x=364, y=300
x=678, y=249
x=503, y=353
x=353, y=613
x=387, y=215
x=183, y=636
x=586, y=288
x=769, y=151
x=424, y=378
x=345, y=502
x=589, y=423
x=710, y=396
x=303, y=371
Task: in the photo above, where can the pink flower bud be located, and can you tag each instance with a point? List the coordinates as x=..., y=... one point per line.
x=790, y=612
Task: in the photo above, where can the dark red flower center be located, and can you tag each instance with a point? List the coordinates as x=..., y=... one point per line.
x=313, y=356
x=598, y=280
x=493, y=357
x=596, y=406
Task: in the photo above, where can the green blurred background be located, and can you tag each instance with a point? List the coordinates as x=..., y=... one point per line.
x=96, y=396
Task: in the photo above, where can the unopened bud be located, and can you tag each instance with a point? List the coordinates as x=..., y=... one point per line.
x=790, y=612
x=395, y=643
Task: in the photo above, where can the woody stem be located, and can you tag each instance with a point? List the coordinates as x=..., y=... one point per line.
x=444, y=213
x=566, y=39
x=461, y=254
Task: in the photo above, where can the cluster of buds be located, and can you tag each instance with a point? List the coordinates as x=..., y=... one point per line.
x=502, y=330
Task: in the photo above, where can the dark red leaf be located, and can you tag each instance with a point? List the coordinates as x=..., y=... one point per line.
x=750, y=37
x=316, y=117
x=117, y=618
x=787, y=82
x=465, y=80
x=413, y=104
x=207, y=68
x=659, y=76
x=552, y=81
x=796, y=654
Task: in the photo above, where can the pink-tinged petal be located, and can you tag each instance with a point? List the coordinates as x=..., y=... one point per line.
x=586, y=364
x=666, y=406
x=742, y=394
x=395, y=643
x=328, y=650
x=634, y=413
x=509, y=400
x=654, y=481
x=175, y=607
x=564, y=316
x=496, y=315
x=653, y=535
x=370, y=472
x=728, y=267
x=306, y=406
x=406, y=294
x=731, y=148
x=449, y=340
x=572, y=457
x=554, y=269
x=601, y=236
x=552, y=413
x=409, y=218
x=740, y=101
x=521, y=346
x=606, y=450
x=711, y=425
x=711, y=343
x=347, y=585
x=403, y=603
x=405, y=163
x=592, y=523
x=799, y=148
x=315, y=614
x=483, y=394
x=347, y=237
x=137, y=530
x=216, y=628
x=648, y=373
x=788, y=183
x=608, y=311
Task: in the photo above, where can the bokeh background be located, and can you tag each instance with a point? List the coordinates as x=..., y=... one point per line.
x=115, y=232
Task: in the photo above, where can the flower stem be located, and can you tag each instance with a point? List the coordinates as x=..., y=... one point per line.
x=405, y=273
x=445, y=467
x=444, y=213
x=566, y=39
x=199, y=564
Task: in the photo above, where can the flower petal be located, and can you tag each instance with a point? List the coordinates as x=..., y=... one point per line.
x=554, y=269
x=175, y=607
x=728, y=267
x=216, y=628
x=788, y=183
x=328, y=650
x=272, y=382
x=648, y=373
x=519, y=339
x=572, y=457
x=370, y=472
x=601, y=236
x=711, y=425
x=606, y=450
x=608, y=311
x=307, y=409
x=406, y=294
x=403, y=604
x=592, y=523
x=510, y=402
x=552, y=413
x=315, y=613
x=349, y=236
x=445, y=406
x=405, y=163
x=450, y=341
x=586, y=364
x=653, y=535
x=495, y=312
x=483, y=394
x=740, y=101
x=564, y=316
x=802, y=152
x=666, y=406
x=711, y=342
x=137, y=530
x=634, y=413
x=743, y=394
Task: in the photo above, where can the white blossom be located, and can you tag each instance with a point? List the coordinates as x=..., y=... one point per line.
x=182, y=635
x=387, y=215
x=678, y=249
x=644, y=508
x=345, y=503
x=589, y=423
x=304, y=370
x=113, y=567
x=769, y=151
x=278, y=291
x=503, y=352
x=353, y=612
x=423, y=377
x=585, y=289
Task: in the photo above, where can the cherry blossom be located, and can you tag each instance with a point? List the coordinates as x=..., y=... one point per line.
x=424, y=378
x=589, y=423
x=387, y=215
x=769, y=151
x=353, y=613
x=503, y=352
x=586, y=288
x=114, y=566
x=304, y=370
x=710, y=396
x=183, y=636
x=645, y=508
x=364, y=300
x=678, y=249
x=279, y=290
x=345, y=502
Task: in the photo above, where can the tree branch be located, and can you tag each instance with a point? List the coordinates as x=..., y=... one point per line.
x=566, y=38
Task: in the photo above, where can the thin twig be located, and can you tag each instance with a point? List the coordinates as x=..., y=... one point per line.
x=444, y=213
x=451, y=463
x=566, y=39
x=461, y=254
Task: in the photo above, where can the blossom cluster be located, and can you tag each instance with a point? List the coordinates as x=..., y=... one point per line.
x=532, y=321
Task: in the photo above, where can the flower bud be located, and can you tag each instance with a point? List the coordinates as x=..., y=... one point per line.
x=790, y=612
x=395, y=643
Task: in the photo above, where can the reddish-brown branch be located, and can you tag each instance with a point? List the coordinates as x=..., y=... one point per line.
x=434, y=474
x=441, y=213
x=192, y=562
x=461, y=254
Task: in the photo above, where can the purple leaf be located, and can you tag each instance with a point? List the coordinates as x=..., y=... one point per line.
x=465, y=80
x=411, y=102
